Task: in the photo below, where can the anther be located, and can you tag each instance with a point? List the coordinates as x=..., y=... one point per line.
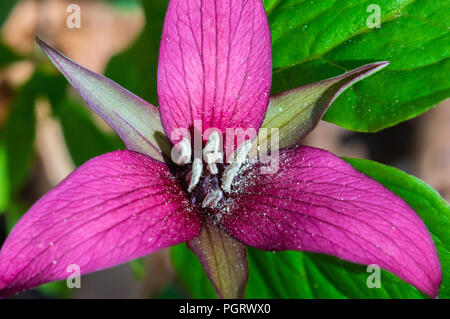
x=194, y=175
x=211, y=152
x=181, y=155
x=237, y=159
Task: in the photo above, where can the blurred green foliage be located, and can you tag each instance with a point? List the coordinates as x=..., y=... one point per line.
x=7, y=55
x=5, y=8
x=21, y=124
x=136, y=68
x=4, y=178
x=82, y=135
x=124, y=4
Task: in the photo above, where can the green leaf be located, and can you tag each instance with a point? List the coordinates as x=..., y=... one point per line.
x=270, y=4
x=318, y=276
x=83, y=138
x=315, y=40
x=278, y=275
x=292, y=274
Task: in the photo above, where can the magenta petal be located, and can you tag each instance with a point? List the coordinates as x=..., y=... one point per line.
x=116, y=207
x=215, y=64
x=317, y=202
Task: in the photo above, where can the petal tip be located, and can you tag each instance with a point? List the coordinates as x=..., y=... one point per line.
x=382, y=64
x=44, y=46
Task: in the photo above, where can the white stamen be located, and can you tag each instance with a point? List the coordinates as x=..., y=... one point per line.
x=238, y=158
x=212, y=199
x=181, y=155
x=213, y=168
x=194, y=175
x=211, y=152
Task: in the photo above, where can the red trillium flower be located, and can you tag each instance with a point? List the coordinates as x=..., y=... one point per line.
x=215, y=69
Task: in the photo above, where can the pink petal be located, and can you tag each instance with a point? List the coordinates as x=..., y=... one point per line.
x=215, y=64
x=116, y=207
x=317, y=202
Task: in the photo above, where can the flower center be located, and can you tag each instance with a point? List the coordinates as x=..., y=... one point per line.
x=209, y=181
